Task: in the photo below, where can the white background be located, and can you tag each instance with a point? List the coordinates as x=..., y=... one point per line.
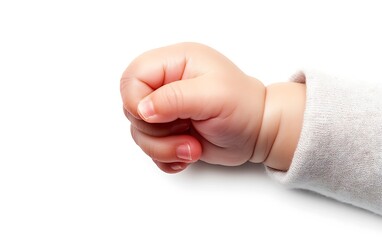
x=68, y=166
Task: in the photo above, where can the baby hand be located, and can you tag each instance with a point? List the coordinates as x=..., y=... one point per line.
x=188, y=102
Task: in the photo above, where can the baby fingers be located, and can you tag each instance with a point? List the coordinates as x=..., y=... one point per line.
x=174, y=167
x=168, y=149
x=159, y=129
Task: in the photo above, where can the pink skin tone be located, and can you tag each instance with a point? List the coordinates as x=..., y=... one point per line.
x=187, y=102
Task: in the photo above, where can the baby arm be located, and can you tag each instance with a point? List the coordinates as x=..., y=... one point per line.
x=187, y=102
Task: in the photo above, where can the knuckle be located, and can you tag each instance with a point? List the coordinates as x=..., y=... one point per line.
x=152, y=152
x=150, y=149
x=125, y=80
x=134, y=135
x=127, y=114
x=174, y=97
x=125, y=89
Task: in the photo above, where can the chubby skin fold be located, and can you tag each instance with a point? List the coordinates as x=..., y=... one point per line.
x=187, y=102
x=281, y=125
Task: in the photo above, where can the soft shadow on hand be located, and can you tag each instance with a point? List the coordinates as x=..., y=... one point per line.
x=251, y=177
x=251, y=169
x=240, y=178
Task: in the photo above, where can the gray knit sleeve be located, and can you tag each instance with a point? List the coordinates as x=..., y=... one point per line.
x=339, y=153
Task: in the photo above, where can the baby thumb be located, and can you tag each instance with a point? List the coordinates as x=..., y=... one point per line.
x=185, y=99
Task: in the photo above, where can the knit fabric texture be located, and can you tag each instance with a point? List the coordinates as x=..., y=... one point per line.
x=339, y=153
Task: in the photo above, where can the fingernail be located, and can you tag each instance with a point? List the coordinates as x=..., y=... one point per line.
x=176, y=167
x=146, y=109
x=184, y=152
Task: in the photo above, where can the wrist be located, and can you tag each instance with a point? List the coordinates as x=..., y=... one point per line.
x=281, y=125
